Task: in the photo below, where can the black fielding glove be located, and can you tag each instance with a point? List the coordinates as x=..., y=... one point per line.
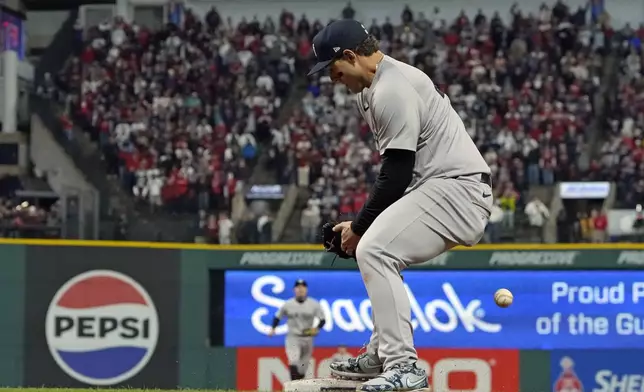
x=332, y=241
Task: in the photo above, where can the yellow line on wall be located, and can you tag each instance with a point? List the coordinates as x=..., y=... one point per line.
x=158, y=245
x=304, y=247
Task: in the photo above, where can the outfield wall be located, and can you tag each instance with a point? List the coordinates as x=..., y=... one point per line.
x=153, y=315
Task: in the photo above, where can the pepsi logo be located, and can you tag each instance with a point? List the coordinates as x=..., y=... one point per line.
x=102, y=327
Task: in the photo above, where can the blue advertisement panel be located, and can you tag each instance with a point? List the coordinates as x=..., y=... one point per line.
x=551, y=310
x=12, y=32
x=597, y=370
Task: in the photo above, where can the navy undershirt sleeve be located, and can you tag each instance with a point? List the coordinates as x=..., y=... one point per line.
x=395, y=175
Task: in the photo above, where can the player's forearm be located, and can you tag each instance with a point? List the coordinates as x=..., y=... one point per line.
x=276, y=322
x=395, y=176
x=321, y=324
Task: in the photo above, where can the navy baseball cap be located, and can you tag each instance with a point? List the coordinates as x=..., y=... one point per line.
x=335, y=38
x=300, y=282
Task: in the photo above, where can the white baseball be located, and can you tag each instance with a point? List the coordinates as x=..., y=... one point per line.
x=503, y=298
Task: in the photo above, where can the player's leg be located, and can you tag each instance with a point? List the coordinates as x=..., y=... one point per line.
x=420, y=226
x=306, y=352
x=293, y=355
x=396, y=348
x=364, y=366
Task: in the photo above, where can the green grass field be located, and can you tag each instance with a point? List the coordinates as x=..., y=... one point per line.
x=99, y=389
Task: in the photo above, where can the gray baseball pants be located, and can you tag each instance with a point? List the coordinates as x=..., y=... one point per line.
x=299, y=350
x=426, y=222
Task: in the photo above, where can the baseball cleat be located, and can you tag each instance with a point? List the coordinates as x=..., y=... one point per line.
x=398, y=378
x=362, y=367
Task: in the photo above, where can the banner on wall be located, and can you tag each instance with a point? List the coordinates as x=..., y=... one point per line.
x=584, y=190
x=98, y=317
x=12, y=31
x=551, y=309
x=596, y=370
x=266, y=368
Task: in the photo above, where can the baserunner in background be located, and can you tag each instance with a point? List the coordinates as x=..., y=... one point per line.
x=301, y=313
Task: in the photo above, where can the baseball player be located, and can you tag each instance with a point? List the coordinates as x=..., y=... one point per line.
x=300, y=312
x=432, y=193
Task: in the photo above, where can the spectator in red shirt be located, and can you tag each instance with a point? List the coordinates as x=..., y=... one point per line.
x=600, y=225
x=359, y=199
x=68, y=126
x=346, y=204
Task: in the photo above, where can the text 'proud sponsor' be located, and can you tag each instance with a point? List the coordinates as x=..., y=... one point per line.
x=584, y=323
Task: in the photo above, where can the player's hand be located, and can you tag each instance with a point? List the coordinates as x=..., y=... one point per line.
x=271, y=332
x=349, y=238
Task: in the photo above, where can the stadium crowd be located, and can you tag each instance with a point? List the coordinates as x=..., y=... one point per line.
x=524, y=90
x=179, y=112
x=20, y=218
x=622, y=153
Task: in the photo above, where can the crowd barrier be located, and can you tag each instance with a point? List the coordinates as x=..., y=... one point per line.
x=151, y=315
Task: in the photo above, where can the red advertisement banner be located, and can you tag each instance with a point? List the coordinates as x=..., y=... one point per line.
x=463, y=370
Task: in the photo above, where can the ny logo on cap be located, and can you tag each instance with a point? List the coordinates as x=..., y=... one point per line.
x=314, y=51
x=335, y=49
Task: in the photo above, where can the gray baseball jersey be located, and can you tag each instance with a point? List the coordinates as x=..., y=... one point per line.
x=300, y=316
x=406, y=111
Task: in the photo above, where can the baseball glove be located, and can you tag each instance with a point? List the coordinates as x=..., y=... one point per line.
x=311, y=332
x=332, y=241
